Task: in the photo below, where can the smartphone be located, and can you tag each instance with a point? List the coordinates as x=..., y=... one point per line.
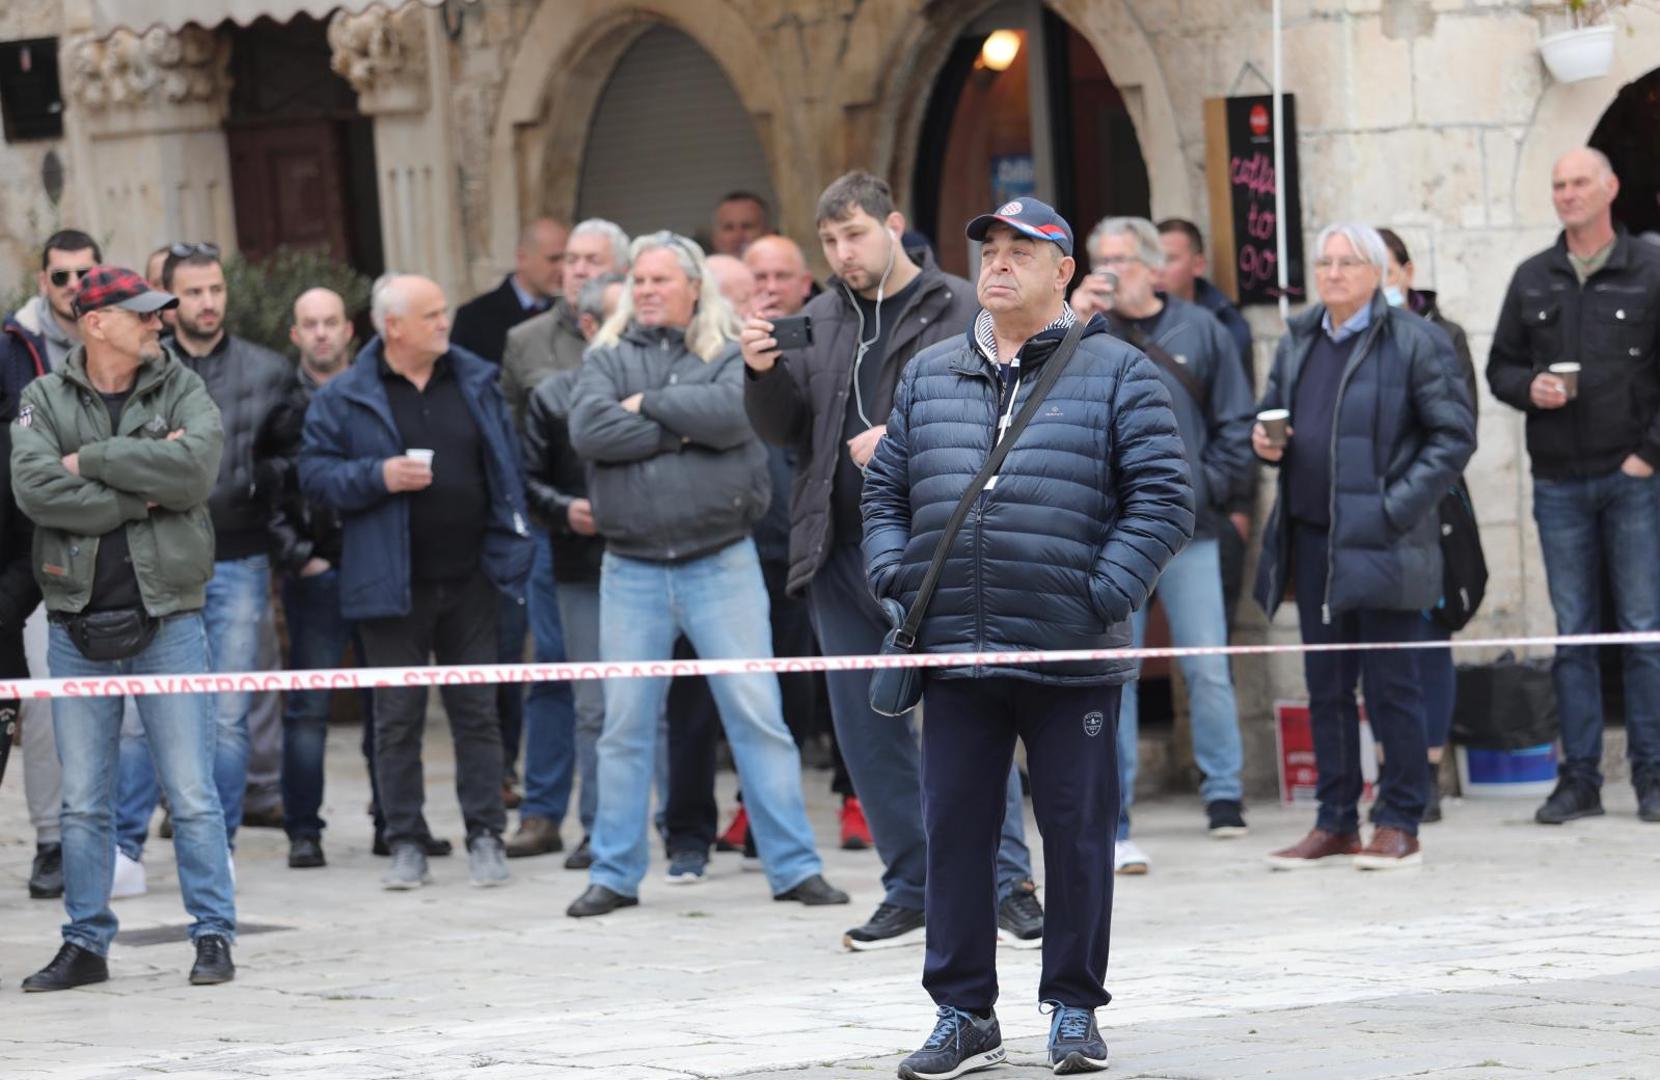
x=793, y=331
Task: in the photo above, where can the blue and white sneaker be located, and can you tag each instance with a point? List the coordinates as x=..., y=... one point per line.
x=686, y=868
x=961, y=1043
x=1075, y=1044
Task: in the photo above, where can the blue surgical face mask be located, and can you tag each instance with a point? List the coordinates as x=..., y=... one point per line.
x=1394, y=295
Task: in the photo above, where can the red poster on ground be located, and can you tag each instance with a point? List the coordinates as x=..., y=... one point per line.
x=1294, y=741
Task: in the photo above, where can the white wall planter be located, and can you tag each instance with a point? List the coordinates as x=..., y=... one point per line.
x=1585, y=52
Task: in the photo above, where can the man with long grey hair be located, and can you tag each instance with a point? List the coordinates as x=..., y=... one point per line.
x=677, y=480
x=1357, y=534
x=538, y=348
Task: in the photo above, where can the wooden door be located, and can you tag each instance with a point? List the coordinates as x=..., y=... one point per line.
x=290, y=185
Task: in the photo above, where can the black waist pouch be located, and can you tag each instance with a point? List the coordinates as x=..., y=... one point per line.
x=111, y=635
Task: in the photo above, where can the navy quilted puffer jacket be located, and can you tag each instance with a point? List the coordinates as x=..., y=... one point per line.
x=1090, y=505
x=1404, y=429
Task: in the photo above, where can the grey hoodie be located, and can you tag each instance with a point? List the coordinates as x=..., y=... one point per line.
x=36, y=317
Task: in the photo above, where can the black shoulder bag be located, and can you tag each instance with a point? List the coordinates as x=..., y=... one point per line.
x=896, y=691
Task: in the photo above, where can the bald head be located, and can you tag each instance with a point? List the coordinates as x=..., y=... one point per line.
x=413, y=319
x=782, y=283
x=1583, y=187
x=736, y=283
x=539, y=261
x=321, y=332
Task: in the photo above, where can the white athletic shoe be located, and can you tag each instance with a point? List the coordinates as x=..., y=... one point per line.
x=1128, y=858
x=129, y=877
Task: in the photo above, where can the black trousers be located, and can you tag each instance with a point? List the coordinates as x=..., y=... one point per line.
x=690, y=817
x=968, y=741
x=454, y=622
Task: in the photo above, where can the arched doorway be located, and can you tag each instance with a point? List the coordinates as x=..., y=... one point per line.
x=1629, y=133
x=1024, y=106
x=669, y=137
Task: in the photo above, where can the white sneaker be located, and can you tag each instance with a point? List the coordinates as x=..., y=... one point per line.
x=129, y=877
x=1128, y=858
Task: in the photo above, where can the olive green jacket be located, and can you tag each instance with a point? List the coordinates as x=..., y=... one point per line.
x=121, y=475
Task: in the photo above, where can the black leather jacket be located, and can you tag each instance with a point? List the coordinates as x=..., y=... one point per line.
x=300, y=531
x=555, y=476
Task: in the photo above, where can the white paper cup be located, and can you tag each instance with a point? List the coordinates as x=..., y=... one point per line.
x=1274, y=422
x=423, y=456
x=1569, y=374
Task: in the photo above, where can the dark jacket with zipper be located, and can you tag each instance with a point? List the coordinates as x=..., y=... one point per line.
x=1090, y=505
x=304, y=530
x=801, y=402
x=1402, y=431
x=349, y=434
x=252, y=386
x=685, y=476
x=1215, y=424
x=555, y=477
x=1611, y=327
x=19, y=595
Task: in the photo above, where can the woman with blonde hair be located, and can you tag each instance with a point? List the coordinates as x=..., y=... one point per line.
x=678, y=480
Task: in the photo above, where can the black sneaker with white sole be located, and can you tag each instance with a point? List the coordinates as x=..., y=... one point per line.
x=1226, y=817
x=1075, y=1043
x=890, y=927
x=1020, y=918
x=1575, y=797
x=961, y=1043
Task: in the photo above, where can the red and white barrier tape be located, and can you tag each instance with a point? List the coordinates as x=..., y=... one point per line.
x=488, y=674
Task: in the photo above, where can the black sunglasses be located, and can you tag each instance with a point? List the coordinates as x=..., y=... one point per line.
x=60, y=278
x=185, y=251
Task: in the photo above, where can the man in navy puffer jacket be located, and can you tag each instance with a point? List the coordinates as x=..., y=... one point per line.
x=1064, y=544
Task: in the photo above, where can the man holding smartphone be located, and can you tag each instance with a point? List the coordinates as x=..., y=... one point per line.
x=830, y=400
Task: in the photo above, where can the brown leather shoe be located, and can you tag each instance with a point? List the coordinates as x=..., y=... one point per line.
x=536, y=836
x=510, y=797
x=1389, y=849
x=1318, y=848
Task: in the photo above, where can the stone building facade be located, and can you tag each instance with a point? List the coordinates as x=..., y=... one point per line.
x=1435, y=117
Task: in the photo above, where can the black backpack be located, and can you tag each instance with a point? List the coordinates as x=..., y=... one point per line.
x=1463, y=566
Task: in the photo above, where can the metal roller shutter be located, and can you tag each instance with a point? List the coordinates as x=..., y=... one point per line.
x=669, y=138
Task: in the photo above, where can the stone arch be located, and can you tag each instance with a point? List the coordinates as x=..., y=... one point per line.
x=564, y=59
x=899, y=89
x=1566, y=116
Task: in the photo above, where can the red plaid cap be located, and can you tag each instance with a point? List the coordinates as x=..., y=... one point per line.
x=113, y=286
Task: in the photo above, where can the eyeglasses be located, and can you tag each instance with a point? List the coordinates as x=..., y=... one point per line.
x=1342, y=265
x=60, y=278
x=185, y=251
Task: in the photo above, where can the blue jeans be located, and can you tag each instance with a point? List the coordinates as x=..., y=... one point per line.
x=180, y=732
x=1583, y=525
x=240, y=588
x=720, y=603
x=317, y=638
x=549, y=712
x=1191, y=592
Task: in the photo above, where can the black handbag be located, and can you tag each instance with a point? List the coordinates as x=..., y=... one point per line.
x=1463, y=564
x=895, y=691
x=111, y=635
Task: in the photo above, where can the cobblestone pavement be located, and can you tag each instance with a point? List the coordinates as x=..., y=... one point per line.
x=1516, y=951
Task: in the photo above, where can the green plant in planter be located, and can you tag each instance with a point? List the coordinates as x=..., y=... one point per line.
x=1582, y=13
x=260, y=295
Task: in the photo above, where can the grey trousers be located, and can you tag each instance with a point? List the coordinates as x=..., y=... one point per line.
x=265, y=726
x=42, y=775
x=579, y=615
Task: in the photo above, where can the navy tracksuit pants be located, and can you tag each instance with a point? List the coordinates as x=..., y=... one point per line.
x=968, y=736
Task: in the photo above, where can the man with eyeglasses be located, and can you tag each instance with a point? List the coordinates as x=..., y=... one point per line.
x=252, y=387
x=114, y=459
x=35, y=340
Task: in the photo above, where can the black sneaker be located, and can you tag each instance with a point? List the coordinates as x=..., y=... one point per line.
x=1227, y=818
x=1432, y=803
x=1075, y=1043
x=1573, y=798
x=961, y=1043
x=580, y=859
x=213, y=961
x=46, y=876
x=1020, y=918
x=686, y=868
x=814, y=892
x=1648, y=796
x=72, y=967
x=305, y=852
x=598, y=900
x=889, y=928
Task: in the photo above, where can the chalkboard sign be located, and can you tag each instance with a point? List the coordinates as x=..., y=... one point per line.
x=1239, y=165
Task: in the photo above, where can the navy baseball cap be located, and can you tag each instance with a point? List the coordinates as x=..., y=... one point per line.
x=1029, y=216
